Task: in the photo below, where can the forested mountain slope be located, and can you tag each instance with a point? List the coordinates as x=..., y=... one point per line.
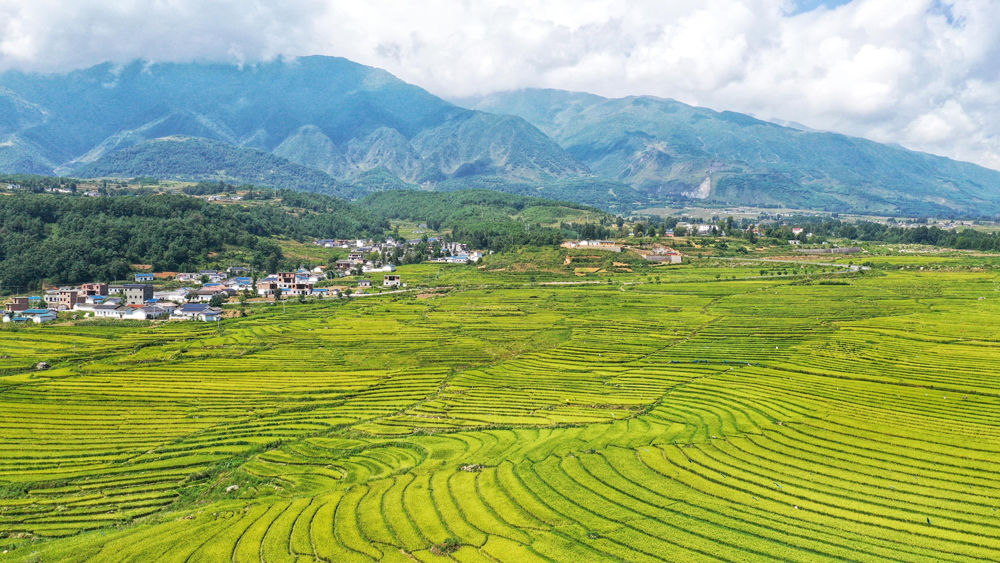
x=329, y=114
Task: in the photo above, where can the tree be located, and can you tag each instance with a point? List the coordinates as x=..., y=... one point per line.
x=277, y=294
x=217, y=300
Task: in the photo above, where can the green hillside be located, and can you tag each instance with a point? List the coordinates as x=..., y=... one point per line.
x=189, y=158
x=490, y=220
x=72, y=239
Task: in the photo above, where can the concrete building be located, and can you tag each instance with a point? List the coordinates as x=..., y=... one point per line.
x=138, y=293
x=67, y=299
x=17, y=304
x=92, y=289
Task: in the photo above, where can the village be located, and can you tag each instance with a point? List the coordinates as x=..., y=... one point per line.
x=199, y=295
x=203, y=292
x=199, y=301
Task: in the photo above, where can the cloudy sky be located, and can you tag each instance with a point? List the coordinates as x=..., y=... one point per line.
x=921, y=73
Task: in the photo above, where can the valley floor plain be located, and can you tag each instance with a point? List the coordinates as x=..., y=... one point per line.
x=704, y=411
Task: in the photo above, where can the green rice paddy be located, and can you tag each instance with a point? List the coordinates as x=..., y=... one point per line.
x=713, y=414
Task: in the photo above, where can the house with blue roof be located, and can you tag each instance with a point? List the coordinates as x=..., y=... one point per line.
x=39, y=315
x=242, y=283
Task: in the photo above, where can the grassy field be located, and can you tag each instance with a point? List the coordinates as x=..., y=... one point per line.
x=714, y=410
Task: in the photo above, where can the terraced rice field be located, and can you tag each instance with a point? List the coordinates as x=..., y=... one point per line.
x=693, y=419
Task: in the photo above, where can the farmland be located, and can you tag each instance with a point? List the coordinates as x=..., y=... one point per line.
x=706, y=411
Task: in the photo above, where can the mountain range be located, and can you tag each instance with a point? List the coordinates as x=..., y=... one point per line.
x=667, y=149
x=325, y=118
x=328, y=124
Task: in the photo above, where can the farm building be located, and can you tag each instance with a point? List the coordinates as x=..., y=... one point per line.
x=662, y=254
x=606, y=245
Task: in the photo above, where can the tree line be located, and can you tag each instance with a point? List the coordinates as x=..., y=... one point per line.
x=67, y=239
x=485, y=219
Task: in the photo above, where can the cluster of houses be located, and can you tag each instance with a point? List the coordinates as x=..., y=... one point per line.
x=444, y=252
x=56, y=190
x=700, y=229
x=131, y=301
x=657, y=253
x=457, y=253
x=141, y=301
x=390, y=280
x=605, y=245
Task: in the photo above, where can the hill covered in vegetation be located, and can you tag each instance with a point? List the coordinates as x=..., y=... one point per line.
x=192, y=158
x=50, y=231
x=492, y=220
x=69, y=239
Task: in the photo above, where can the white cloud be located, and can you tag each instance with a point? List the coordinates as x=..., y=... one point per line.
x=922, y=73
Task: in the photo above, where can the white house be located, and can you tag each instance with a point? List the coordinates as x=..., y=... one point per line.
x=196, y=312
x=149, y=312
x=110, y=311
x=39, y=315
x=85, y=306
x=176, y=295
x=373, y=269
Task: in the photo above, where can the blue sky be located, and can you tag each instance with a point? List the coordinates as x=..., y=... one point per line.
x=921, y=73
x=810, y=5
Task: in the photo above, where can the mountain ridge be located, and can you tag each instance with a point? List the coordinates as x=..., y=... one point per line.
x=669, y=149
x=329, y=124
x=363, y=117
